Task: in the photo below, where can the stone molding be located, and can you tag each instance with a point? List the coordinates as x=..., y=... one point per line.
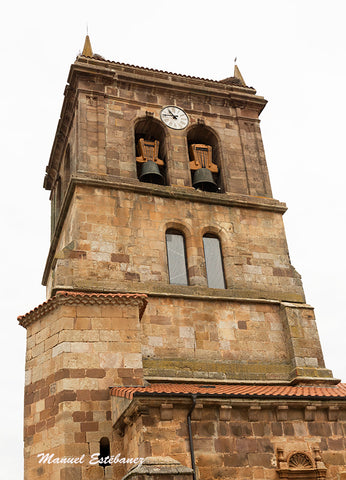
x=301, y=465
x=153, y=466
x=128, y=69
x=255, y=408
x=113, y=71
x=81, y=298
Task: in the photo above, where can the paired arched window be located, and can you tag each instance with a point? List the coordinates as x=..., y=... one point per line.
x=176, y=257
x=213, y=261
x=152, y=153
x=177, y=264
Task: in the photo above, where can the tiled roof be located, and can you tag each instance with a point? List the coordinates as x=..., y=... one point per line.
x=84, y=298
x=238, y=391
x=229, y=80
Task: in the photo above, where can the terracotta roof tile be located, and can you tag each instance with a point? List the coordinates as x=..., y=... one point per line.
x=63, y=296
x=229, y=80
x=257, y=391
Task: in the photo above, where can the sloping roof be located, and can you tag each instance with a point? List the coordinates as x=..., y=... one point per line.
x=240, y=391
x=230, y=80
x=87, y=52
x=82, y=298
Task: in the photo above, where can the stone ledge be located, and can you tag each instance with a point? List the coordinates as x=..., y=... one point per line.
x=190, y=292
x=180, y=369
x=199, y=369
x=159, y=466
x=180, y=192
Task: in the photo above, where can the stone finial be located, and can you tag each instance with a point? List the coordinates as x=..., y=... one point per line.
x=87, y=50
x=280, y=453
x=317, y=454
x=238, y=75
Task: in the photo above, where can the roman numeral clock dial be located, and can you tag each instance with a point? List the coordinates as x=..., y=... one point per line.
x=174, y=117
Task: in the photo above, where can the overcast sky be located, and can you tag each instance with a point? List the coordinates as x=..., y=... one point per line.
x=292, y=52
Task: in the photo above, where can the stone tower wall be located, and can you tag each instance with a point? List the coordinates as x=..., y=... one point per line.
x=77, y=347
x=113, y=239
x=108, y=259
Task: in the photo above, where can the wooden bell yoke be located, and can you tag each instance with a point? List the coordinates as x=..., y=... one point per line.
x=148, y=151
x=202, y=157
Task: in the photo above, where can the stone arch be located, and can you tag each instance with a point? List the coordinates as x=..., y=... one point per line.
x=179, y=226
x=216, y=231
x=150, y=130
x=202, y=134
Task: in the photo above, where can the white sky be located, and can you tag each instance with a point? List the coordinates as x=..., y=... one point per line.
x=292, y=52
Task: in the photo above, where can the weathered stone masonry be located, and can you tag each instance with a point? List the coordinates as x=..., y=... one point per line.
x=117, y=354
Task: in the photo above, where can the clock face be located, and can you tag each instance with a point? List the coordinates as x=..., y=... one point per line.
x=174, y=117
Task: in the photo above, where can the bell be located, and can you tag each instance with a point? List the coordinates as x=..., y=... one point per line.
x=151, y=173
x=203, y=180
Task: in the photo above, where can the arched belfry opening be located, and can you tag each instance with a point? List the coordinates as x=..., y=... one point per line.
x=151, y=151
x=204, y=156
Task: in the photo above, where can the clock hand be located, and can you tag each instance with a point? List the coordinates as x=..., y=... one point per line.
x=174, y=116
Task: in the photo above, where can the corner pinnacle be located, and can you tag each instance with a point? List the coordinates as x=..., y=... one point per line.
x=87, y=50
x=238, y=75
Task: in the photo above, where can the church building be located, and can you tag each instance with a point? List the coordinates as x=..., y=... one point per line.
x=176, y=342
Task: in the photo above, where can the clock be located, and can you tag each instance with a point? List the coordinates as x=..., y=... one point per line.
x=174, y=117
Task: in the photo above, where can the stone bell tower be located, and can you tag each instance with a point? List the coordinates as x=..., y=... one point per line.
x=175, y=327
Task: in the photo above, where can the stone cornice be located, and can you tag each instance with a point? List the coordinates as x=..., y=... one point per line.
x=175, y=192
x=138, y=405
x=117, y=70
x=113, y=72
x=197, y=293
x=81, y=298
x=180, y=193
x=60, y=139
x=190, y=111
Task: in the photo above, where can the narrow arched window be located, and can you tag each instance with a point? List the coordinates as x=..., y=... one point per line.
x=213, y=262
x=176, y=257
x=105, y=452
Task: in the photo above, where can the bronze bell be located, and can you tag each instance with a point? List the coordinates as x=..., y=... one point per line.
x=150, y=173
x=203, y=180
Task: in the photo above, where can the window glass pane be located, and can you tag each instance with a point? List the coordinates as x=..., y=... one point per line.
x=213, y=261
x=176, y=259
